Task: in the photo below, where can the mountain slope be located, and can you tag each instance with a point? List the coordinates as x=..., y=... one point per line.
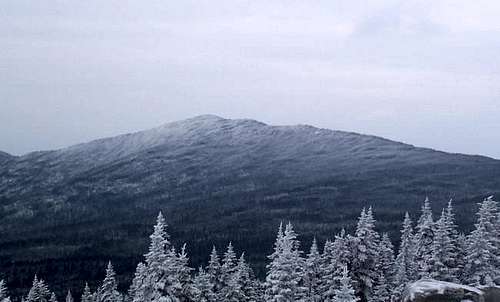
x=216, y=180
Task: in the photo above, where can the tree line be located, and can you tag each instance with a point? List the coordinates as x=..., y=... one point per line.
x=351, y=267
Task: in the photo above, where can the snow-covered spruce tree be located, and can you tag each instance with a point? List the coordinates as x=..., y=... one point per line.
x=241, y=287
x=284, y=277
x=166, y=278
x=214, y=271
x=108, y=292
x=453, y=261
x=69, y=296
x=136, y=290
x=461, y=257
x=383, y=284
x=228, y=267
x=39, y=292
x=87, y=295
x=4, y=296
x=328, y=276
x=157, y=258
x=313, y=274
x=250, y=285
x=345, y=293
x=203, y=288
x=445, y=248
x=180, y=276
x=336, y=255
x=386, y=260
x=365, y=249
x=481, y=249
x=381, y=290
x=423, y=239
x=53, y=297
x=404, y=265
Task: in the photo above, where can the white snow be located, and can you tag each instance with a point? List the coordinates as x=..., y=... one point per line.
x=434, y=286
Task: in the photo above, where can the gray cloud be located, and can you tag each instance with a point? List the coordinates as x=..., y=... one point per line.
x=424, y=72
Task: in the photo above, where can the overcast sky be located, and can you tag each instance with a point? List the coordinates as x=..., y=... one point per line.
x=422, y=72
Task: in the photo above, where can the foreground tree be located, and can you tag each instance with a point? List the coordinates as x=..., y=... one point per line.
x=284, y=278
x=445, y=248
x=87, y=294
x=345, y=293
x=153, y=283
x=137, y=288
x=313, y=272
x=336, y=256
x=386, y=258
x=365, y=248
x=108, y=292
x=214, y=271
x=4, y=296
x=423, y=240
x=39, y=291
x=404, y=267
x=203, y=288
x=481, y=251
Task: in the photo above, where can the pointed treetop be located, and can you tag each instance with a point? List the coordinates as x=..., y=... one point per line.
x=426, y=216
x=109, y=268
x=69, y=297
x=314, y=248
x=53, y=297
x=214, y=250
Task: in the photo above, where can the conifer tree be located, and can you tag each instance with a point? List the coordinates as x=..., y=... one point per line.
x=241, y=287
x=108, y=292
x=69, y=296
x=53, y=297
x=4, y=296
x=137, y=288
x=313, y=274
x=251, y=286
x=283, y=281
x=39, y=292
x=214, y=271
x=328, y=277
x=87, y=294
x=180, y=276
x=336, y=255
x=228, y=264
x=365, y=248
x=381, y=290
x=424, y=237
x=386, y=260
x=161, y=264
x=345, y=293
x=461, y=257
x=404, y=264
x=444, y=248
x=203, y=288
x=481, y=250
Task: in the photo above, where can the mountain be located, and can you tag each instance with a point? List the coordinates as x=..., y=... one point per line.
x=65, y=213
x=5, y=157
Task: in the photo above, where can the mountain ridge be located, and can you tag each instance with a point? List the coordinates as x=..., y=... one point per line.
x=211, y=118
